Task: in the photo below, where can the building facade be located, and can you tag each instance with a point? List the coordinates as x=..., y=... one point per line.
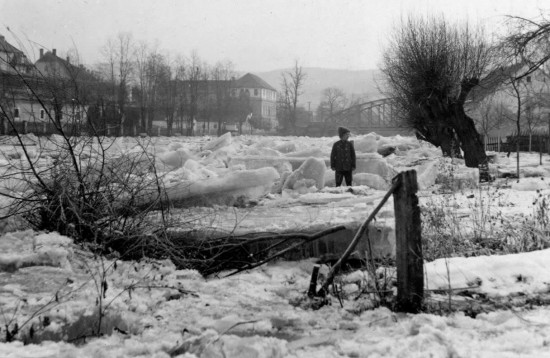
x=35, y=94
x=263, y=99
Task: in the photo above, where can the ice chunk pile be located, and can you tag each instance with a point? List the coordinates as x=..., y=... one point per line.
x=25, y=249
x=206, y=171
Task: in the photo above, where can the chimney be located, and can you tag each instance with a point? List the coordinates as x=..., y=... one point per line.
x=41, y=52
x=54, y=51
x=2, y=38
x=68, y=59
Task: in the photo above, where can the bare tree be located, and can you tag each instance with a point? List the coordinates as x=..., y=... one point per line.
x=195, y=74
x=430, y=67
x=528, y=43
x=118, y=53
x=536, y=104
x=148, y=62
x=292, y=84
x=333, y=100
x=491, y=113
x=517, y=93
x=222, y=77
x=181, y=89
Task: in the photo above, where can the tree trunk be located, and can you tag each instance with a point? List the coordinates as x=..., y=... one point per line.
x=471, y=144
x=439, y=135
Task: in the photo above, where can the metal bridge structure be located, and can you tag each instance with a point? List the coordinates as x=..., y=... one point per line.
x=379, y=116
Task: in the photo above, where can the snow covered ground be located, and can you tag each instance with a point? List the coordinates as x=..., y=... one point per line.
x=154, y=310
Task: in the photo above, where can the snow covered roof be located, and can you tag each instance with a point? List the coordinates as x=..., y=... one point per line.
x=252, y=81
x=5, y=46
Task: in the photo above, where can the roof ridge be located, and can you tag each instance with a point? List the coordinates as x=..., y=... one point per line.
x=250, y=79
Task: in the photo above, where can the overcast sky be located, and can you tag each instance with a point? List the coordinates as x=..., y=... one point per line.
x=256, y=35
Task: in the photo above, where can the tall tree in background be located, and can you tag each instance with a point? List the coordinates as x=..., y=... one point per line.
x=180, y=91
x=149, y=64
x=333, y=100
x=222, y=77
x=292, y=84
x=195, y=74
x=527, y=47
x=167, y=93
x=430, y=67
x=158, y=74
x=119, y=54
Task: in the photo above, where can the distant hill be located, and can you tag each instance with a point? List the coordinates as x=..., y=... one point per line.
x=357, y=83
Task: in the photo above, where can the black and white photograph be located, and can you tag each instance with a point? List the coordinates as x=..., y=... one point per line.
x=274, y=178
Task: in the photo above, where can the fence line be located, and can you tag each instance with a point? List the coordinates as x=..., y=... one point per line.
x=536, y=142
x=44, y=128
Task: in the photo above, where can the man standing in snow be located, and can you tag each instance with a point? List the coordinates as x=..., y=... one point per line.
x=342, y=158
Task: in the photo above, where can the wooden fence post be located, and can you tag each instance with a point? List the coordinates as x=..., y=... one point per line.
x=410, y=269
x=313, y=282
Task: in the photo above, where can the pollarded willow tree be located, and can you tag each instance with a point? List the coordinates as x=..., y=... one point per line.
x=431, y=66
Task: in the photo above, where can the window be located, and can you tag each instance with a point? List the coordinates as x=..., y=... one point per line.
x=215, y=126
x=16, y=112
x=255, y=91
x=528, y=79
x=42, y=114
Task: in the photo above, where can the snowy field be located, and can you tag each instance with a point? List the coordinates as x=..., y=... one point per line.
x=282, y=184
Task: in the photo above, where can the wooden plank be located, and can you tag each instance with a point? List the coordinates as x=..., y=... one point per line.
x=410, y=273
